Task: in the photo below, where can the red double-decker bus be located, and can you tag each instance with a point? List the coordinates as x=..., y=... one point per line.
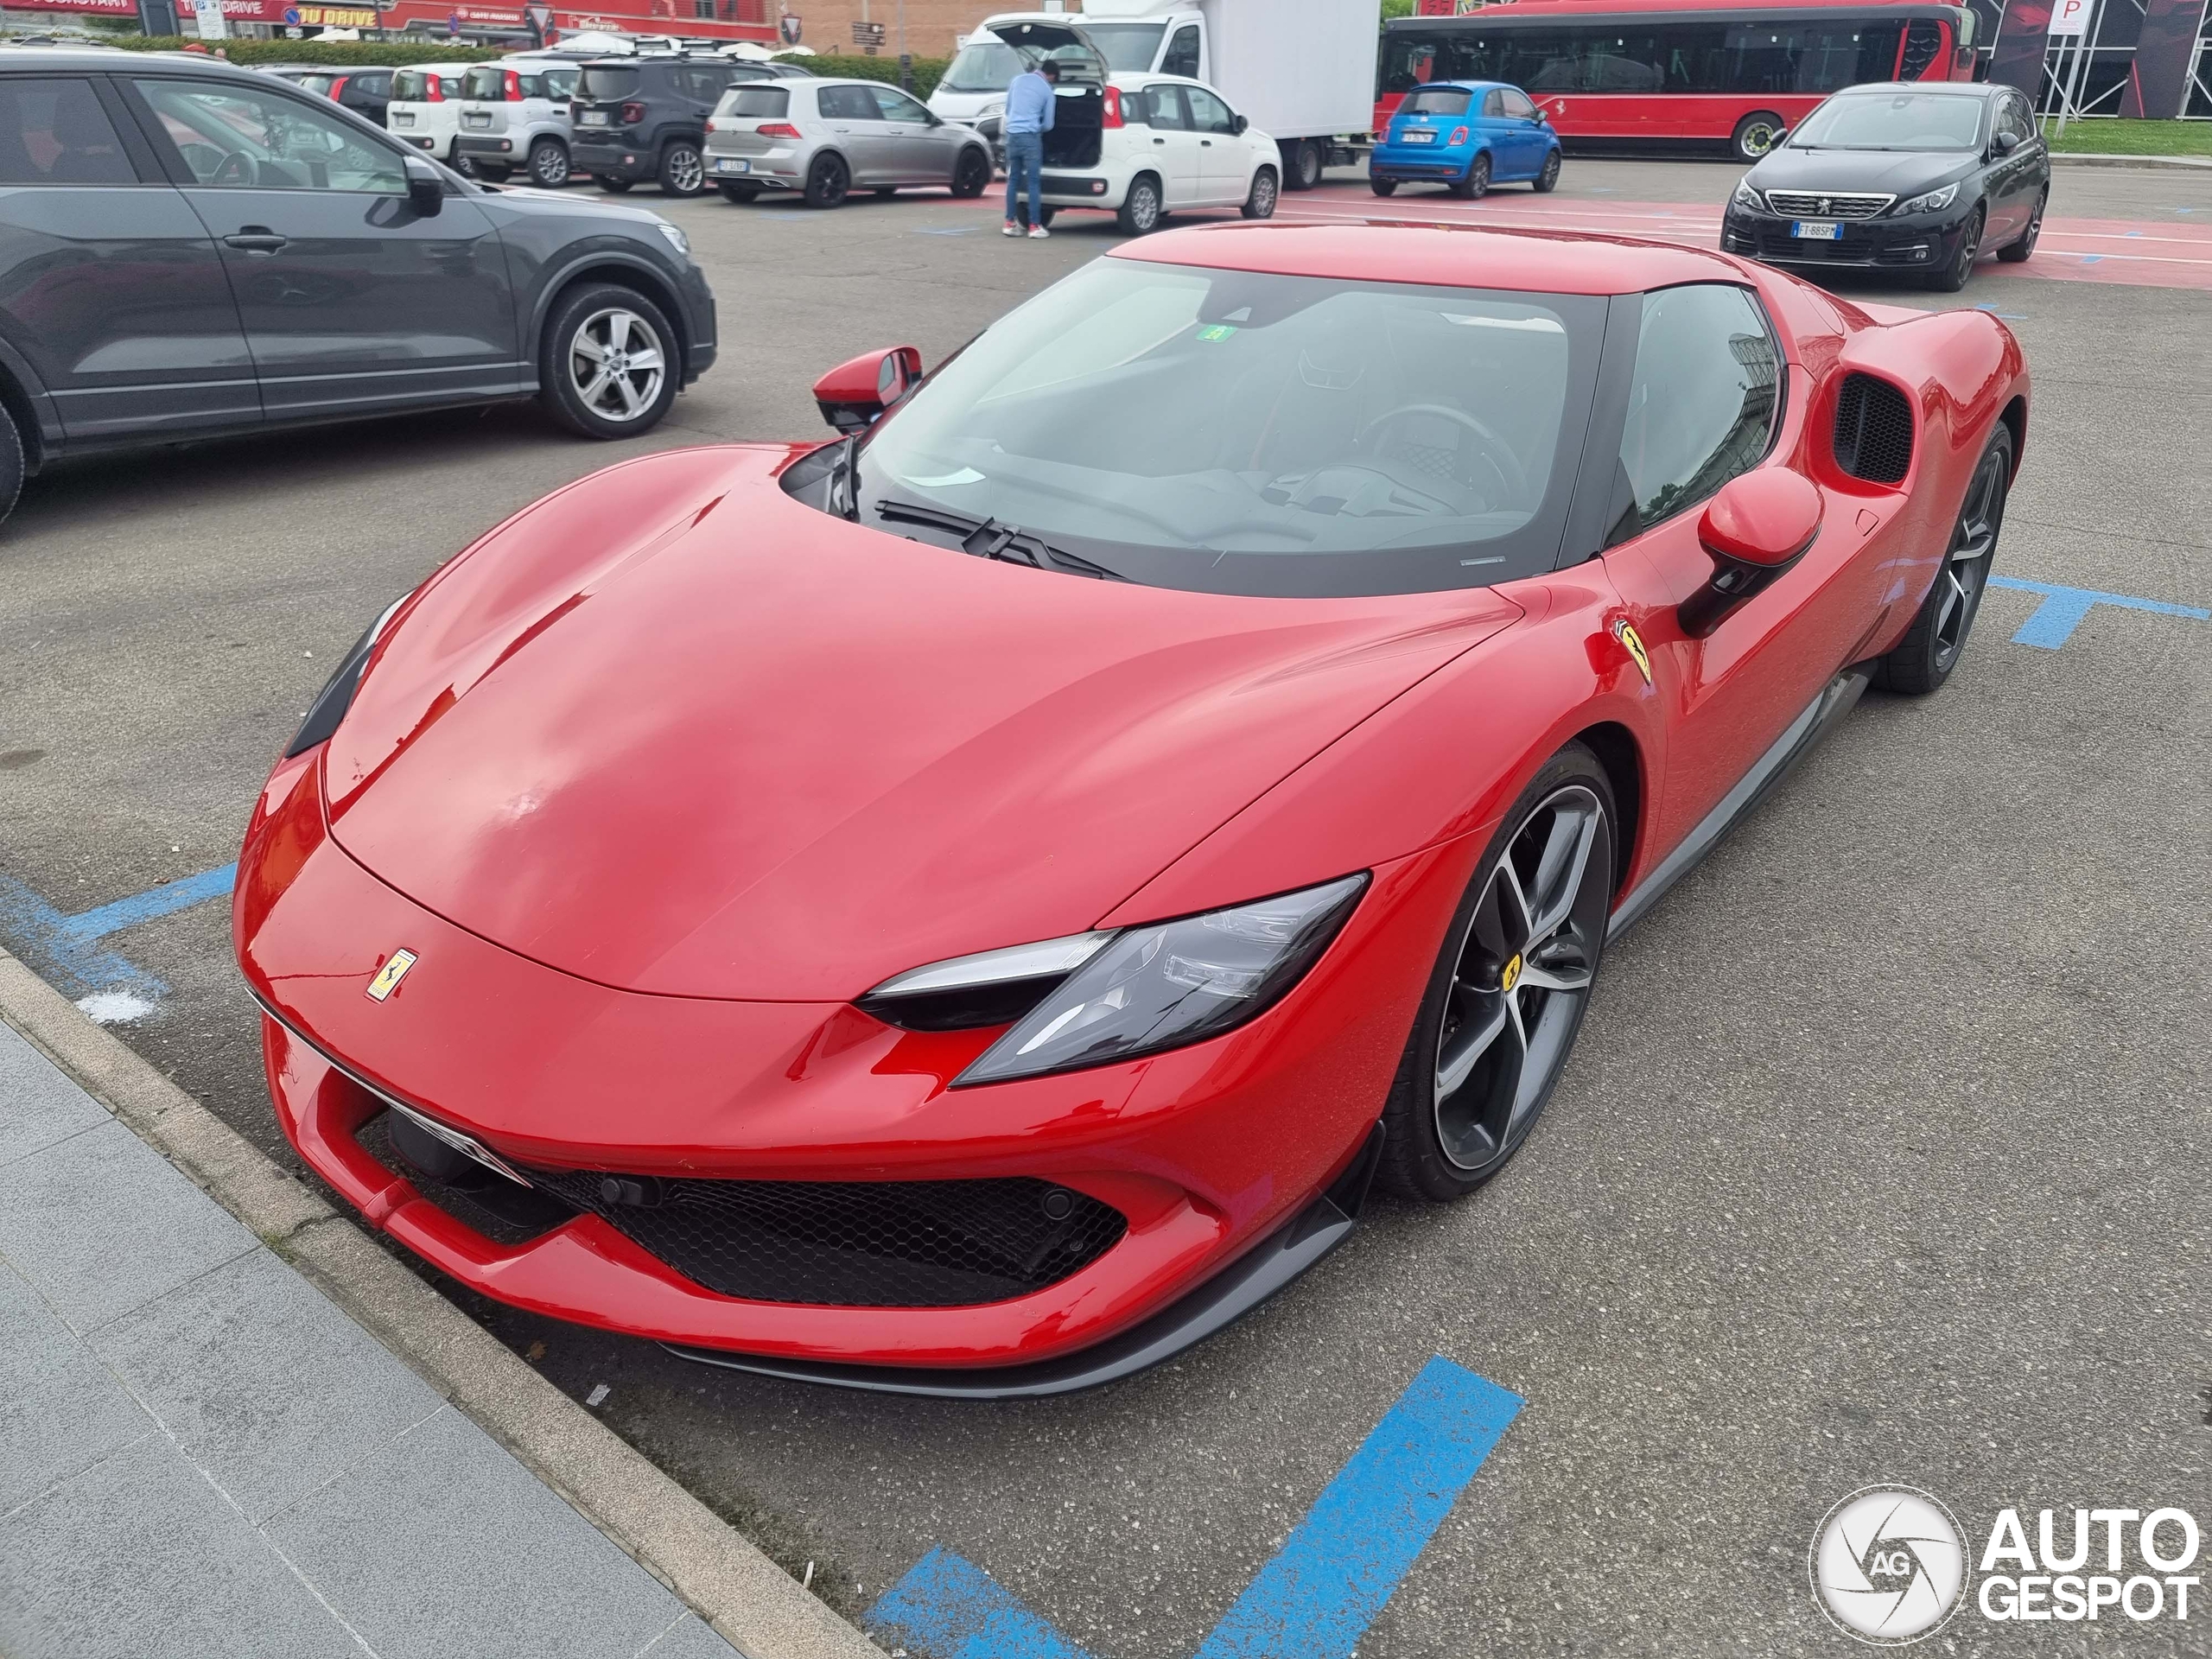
x=1651, y=74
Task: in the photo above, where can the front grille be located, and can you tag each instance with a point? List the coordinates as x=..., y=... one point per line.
x=1808, y=204
x=853, y=1244
x=1873, y=430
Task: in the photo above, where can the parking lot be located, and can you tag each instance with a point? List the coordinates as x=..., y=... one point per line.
x=1882, y=1159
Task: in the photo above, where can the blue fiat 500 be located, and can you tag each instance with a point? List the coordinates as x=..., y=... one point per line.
x=1466, y=135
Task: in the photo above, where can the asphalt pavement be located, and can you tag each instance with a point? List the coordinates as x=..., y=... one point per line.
x=1883, y=1157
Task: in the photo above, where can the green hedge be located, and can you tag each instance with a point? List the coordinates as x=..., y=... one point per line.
x=337, y=52
x=927, y=71
x=2097, y=136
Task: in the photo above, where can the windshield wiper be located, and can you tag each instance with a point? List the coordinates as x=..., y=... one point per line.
x=844, y=480
x=987, y=538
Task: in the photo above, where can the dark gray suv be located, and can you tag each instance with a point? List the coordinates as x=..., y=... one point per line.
x=187, y=249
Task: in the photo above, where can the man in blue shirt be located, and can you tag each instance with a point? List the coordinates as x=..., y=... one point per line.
x=1029, y=100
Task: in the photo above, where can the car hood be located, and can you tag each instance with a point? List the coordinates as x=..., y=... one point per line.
x=675, y=731
x=1900, y=174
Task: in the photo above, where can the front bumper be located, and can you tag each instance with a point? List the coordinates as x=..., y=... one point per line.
x=1888, y=242
x=1211, y=1154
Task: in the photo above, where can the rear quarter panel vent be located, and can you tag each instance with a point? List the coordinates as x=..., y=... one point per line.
x=1873, y=430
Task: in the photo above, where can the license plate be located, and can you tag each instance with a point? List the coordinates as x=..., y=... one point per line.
x=402, y=118
x=732, y=164
x=1816, y=230
x=592, y=118
x=1420, y=137
x=476, y=118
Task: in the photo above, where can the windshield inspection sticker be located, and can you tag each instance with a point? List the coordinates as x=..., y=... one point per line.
x=1216, y=331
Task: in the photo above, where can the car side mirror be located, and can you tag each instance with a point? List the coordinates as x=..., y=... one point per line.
x=426, y=188
x=2003, y=143
x=853, y=396
x=1238, y=124
x=1759, y=524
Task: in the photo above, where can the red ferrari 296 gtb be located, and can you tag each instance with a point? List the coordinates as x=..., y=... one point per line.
x=971, y=907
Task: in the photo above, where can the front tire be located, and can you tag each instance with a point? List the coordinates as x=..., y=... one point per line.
x=493, y=172
x=1259, y=202
x=1548, y=181
x=607, y=367
x=971, y=174
x=1953, y=274
x=1510, y=989
x=549, y=164
x=1755, y=133
x=682, y=171
x=1475, y=185
x=2016, y=252
x=1140, y=211
x=1931, y=648
x=827, y=181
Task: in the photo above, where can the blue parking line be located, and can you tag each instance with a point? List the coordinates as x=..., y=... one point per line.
x=66, y=951
x=1315, y=1598
x=2053, y=622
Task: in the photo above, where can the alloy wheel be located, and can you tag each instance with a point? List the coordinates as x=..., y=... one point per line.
x=1523, y=977
x=549, y=165
x=1965, y=566
x=1261, y=203
x=683, y=173
x=616, y=364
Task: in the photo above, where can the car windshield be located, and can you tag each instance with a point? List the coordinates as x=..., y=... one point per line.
x=1239, y=432
x=485, y=81
x=1892, y=121
x=607, y=84
x=1129, y=48
x=1436, y=100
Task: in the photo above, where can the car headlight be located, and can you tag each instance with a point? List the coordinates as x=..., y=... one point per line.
x=1931, y=201
x=677, y=240
x=336, y=696
x=1747, y=197
x=1096, y=998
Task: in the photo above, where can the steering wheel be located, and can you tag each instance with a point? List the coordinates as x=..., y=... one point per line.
x=1496, y=450
x=236, y=167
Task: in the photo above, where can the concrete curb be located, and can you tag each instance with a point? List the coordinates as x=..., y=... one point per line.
x=2196, y=164
x=753, y=1603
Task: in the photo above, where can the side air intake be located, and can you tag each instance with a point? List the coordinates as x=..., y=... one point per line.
x=1873, y=430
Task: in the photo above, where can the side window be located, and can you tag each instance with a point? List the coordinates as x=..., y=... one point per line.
x=1208, y=113
x=2012, y=118
x=848, y=104
x=897, y=106
x=236, y=136
x=1182, y=57
x=705, y=86
x=1702, y=405
x=1493, y=103
x=1168, y=111
x=1517, y=104
x=55, y=133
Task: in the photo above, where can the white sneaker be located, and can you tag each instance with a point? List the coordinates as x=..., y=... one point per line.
x=1036, y=231
x=1012, y=229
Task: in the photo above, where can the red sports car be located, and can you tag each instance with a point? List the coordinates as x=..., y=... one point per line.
x=970, y=907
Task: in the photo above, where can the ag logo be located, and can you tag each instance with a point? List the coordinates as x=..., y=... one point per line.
x=1887, y=1566
x=389, y=975
x=1632, y=642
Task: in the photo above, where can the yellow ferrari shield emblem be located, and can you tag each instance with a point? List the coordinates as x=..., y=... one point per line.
x=1632, y=642
x=1509, y=976
x=388, y=977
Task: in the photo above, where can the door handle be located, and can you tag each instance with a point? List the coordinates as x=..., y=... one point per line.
x=1160, y=141
x=255, y=239
x=1205, y=144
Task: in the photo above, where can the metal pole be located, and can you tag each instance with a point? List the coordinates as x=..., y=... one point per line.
x=2071, y=88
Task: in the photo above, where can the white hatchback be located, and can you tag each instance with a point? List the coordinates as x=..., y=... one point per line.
x=425, y=107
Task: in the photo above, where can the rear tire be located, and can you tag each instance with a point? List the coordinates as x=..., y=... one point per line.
x=827, y=181
x=1756, y=134
x=1301, y=165
x=612, y=186
x=1141, y=210
x=1475, y=185
x=569, y=385
x=1954, y=273
x=971, y=174
x=1383, y=187
x=683, y=173
x=549, y=164
x=1511, y=982
x=1548, y=181
x=1931, y=648
x=739, y=193
x=1260, y=202
x=2016, y=252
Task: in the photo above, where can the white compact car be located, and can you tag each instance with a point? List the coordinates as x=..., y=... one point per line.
x=514, y=114
x=425, y=107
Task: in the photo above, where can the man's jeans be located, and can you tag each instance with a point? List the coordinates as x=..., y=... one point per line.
x=1025, y=158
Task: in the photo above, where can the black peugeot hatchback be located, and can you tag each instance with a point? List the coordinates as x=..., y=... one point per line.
x=1909, y=177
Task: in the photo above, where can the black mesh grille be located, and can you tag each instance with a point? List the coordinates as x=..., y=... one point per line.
x=1873, y=430
x=853, y=1244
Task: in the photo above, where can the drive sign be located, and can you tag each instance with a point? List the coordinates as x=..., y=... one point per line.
x=2070, y=18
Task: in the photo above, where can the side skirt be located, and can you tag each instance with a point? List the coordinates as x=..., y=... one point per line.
x=1833, y=703
x=1261, y=1271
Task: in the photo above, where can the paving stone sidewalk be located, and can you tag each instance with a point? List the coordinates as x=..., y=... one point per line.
x=200, y=1454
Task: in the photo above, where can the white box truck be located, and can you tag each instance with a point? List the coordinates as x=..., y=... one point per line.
x=1303, y=71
